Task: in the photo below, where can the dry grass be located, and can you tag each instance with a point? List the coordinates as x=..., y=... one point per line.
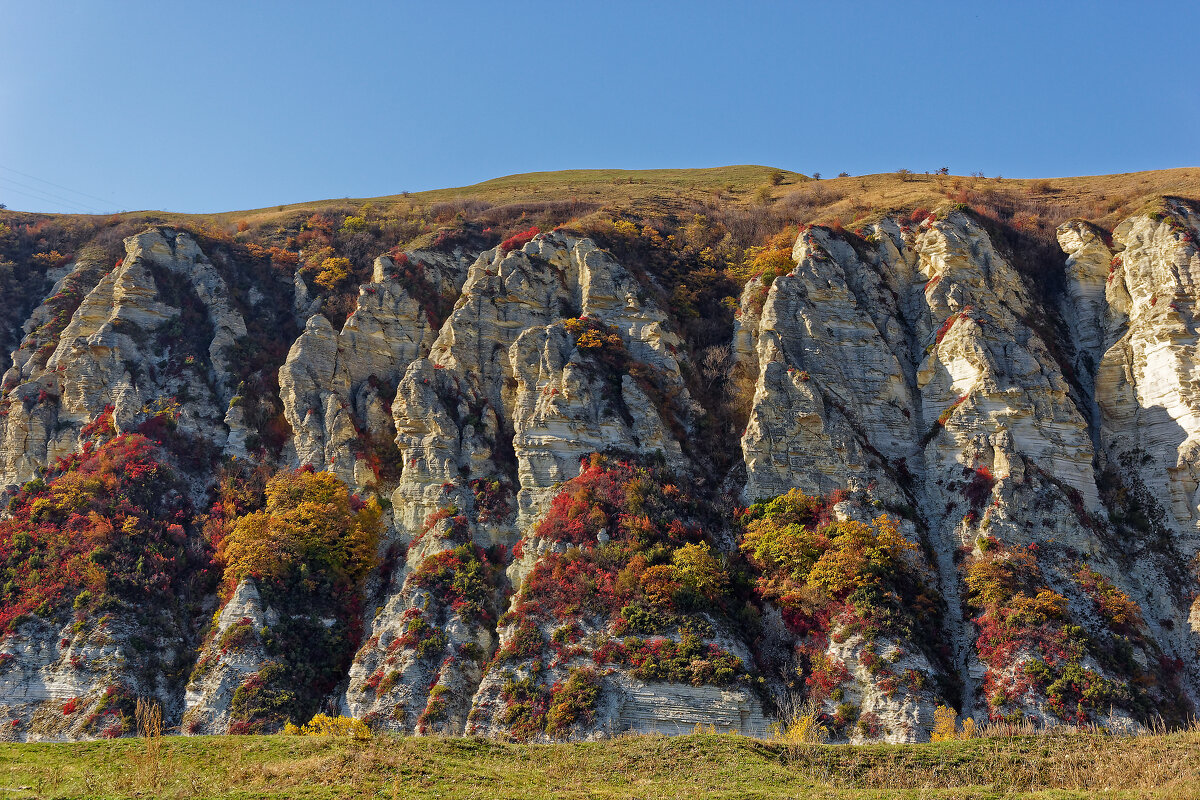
x=800, y=725
x=147, y=764
x=1102, y=198
x=1166, y=766
x=1061, y=764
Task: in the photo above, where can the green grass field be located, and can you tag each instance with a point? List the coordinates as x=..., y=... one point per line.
x=1073, y=765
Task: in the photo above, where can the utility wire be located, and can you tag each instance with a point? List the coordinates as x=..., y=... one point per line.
x=55, y=185
x=41, y=199
x=47, y=193
x=44, y=195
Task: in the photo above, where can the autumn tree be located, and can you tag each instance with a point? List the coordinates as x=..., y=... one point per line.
x=309, y=550
x=333, y=272
x=311, y=524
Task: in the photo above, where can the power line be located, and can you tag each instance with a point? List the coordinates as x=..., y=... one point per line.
x=48, y=193
x=55, y=185
x=45, y=196
x=38, y=197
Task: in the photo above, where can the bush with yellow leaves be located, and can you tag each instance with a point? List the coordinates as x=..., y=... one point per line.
x=325, y=725
x=800, y=725
x=312, y=521
x=946, y=729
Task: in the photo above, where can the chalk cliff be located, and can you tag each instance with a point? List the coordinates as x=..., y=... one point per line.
x=1036, y=457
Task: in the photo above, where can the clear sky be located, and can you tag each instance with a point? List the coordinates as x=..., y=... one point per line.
x=212, y=106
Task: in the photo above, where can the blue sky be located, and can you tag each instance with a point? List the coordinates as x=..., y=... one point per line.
x=220, y=106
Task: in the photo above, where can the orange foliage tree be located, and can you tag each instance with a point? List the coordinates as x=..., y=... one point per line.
x=309, y=549
x=311, y=523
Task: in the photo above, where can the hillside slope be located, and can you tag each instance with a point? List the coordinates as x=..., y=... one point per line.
x=563, y=455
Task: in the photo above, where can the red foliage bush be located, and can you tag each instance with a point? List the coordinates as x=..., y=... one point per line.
x=108, y=523
x=518, y=240
x=826, y=674
x=101, y=427
x=569, y=584
x=979, y=487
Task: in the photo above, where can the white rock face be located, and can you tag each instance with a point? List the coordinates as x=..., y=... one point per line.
x=1146, y=384
x=894, y=369
x=395, y=677
x=504, y=377
x=335, y=384
x=899, y=369
x=1149, y=405
x=507, y=397
x=105, y=356
x=1085, y=307
x=677, y=708
x=224, y=666
x=60, y=684
x=566, y=408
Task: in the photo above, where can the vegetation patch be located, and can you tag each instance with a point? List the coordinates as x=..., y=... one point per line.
x=104, y=528
x=308, y=549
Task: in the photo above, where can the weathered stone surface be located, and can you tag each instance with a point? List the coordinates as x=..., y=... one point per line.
x=888, y=369
x=510, y=373
x=899, y=369
x=221, y=668
x=331, y=383
x=105, y=356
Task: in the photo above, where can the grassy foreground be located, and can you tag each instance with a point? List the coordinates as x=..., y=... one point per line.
x=1048, y=766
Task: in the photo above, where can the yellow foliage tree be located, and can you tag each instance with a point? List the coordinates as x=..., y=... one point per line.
x=945, y=724
x=782, y=539
x=311, y=524
x=699, y=570
x=333, y=272
x=1011, y=583
x=859, y=555
x=767, y=262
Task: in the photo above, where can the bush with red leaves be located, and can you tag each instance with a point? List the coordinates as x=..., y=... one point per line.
x=106, y=523
x=518, y=240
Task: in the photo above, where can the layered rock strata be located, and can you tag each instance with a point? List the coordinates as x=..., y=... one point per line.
x=911, y=370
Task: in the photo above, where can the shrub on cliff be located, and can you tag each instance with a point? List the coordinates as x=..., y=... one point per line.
x=1031, y=647
x=631, y=542
x=103, y=526
x=812, y=568
x=637, y=560
x=835, y=579
x=309, y=549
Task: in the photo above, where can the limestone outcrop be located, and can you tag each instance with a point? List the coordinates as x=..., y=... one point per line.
x=511, y=396
x=1039, y=452
x=336, y=387
x=123, y=346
